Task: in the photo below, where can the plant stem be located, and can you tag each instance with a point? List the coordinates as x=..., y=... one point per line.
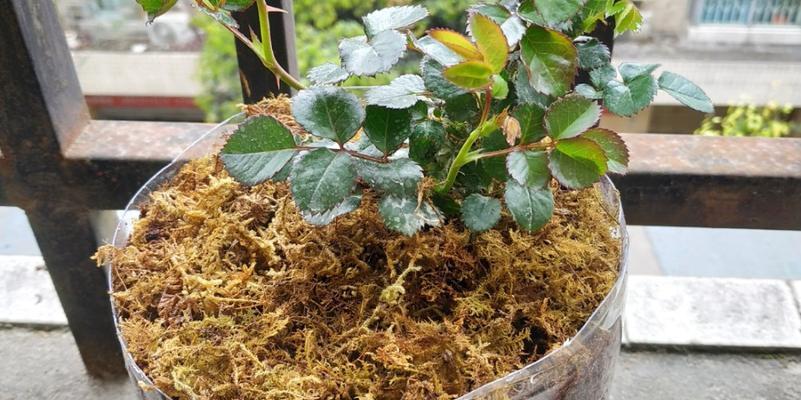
x=268, y=59
x=463, y=157
x=356, y=154
x=503, y=152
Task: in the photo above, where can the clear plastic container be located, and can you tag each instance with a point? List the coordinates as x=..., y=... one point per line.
x=581, y=369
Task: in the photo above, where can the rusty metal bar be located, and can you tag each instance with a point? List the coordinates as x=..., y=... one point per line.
x=42, y=110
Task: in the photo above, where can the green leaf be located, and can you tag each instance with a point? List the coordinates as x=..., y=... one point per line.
x=556, y=11
x=570, y=116
x=235, y=5
x=257, y=150
x=530, y=14
x=500, y=88
x=490, y=40
x=328, y=112
x=529, y=168
x=321, y=179
x=327, y=74
x=627, y=99
x=387, y=128
x=628, y=18
x=686, y=92
x=379, y=54
x=592, y=53
x=222, y=16
x=614, y=148
x=497, y=12
x=400, y=177
x=425, y=141
x=551, y=60
x=470, y=74
x=531, y=206
x=446, y=204
x=494, y=167
x=437, y=52
x=594, y=11
x=403, y=92
x=601, y=77
x=457, y=42
x=588, y=91
x=527, y=94
x=350, y=204
x=530, y=117
x=462, y=108
x=154, y=8
x=406, y=215
x=480, y=213
x=577, y=163
x=629, y=71
x=514, y=30
x=436, y=83
x=393, y=18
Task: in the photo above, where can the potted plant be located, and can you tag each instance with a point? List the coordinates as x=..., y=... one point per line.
x=451, y=234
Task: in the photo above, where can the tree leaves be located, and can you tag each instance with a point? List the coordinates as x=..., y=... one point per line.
x=393, y=18
x=614, y=148
x=480, y=213
x=531, y=206
x=490, y=41
x=588, y=91
x=592, y=53
x=530, y=117
x=457, y=43
x=436, y=83
x=577, y=163
x=629, y=98
x=327, y=74
x=328, y=112
x=399, y=177
x=407, y=216
x=470, y=74
x=551, y=60
x=369, y=57
x=402, y=92
x=257, y=150
x=351, y=203
x=387, y=128
x=629, y=71
x=154, y=8
x=529, y=168
x=425, y=141
x=437, y=51
x=627, y=17
x=321, y=179
x=570, y=116
x=556, y=11
x=686, y=92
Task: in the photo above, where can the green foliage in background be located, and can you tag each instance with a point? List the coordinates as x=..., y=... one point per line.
x=745, y=119
x=218, y=72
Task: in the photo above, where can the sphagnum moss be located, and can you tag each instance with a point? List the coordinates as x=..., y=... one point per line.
x=225, y=292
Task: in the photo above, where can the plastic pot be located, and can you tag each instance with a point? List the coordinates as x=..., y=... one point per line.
x=581, y=369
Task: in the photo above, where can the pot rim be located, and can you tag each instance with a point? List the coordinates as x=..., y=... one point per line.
x=595, y=319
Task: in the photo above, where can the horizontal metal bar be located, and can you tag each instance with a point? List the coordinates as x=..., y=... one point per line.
x=674, y=180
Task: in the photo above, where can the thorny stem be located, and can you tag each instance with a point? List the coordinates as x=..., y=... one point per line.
x=503, y=152
x=463, y=157
x=268, y=59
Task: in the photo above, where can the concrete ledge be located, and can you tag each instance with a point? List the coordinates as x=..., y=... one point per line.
x=27, y=295
x=742, y=314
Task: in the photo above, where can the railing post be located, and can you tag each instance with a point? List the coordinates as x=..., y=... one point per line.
x=42, y=110
x=257, y=81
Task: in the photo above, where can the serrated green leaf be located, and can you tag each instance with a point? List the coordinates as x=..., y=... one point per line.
x=480, y=213
x=462, y=108
x=457, y=43
x=629, y=71
x=379, y=54
x=469, y=74
x=594, y=11
x=328, y=112
x=627, y=99
x=387, y=128
x=494, y=167
x=513, y=29
x=425, y=141
x=402, y=92
x=628, y=18
x=154, y=8
x=350, y=204
x=497, y=12
x=530, y=14
x=257, y=150
x=400, y=177
x=327, y=74
x=601, y=77
x=393, y=18
x=529, y=168
x=437, y=52
x=530, y=117
x=577, y=163
x=526, y=94
x=531, y=206
x=446, y=204
x=592, y=53
x=234, y=5
x=406, y=215
x=490, y=41
x=686, y=92
x=614, y=148
x=570, y=116
x=551, y=59
x=588, y=91
x=500, y=88
x=440, y=87
x=556, y=11
x=321, y=179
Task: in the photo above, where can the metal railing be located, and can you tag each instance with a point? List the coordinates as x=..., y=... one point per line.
x=748, y=12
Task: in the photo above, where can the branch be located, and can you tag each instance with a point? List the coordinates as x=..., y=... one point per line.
x=356, y=154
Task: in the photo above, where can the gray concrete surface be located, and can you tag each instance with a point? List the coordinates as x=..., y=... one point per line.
x=45, y=365
x=27, y=295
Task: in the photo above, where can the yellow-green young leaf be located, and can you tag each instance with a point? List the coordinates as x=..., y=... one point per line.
x=470, y=74
x=627, y=17
x=457, y=42
x=551, y=60
x=577, y=163
x=154, y=8
x=490, y=40
x=614, y=147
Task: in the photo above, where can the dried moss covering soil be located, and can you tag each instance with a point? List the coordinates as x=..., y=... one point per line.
x=224, y=292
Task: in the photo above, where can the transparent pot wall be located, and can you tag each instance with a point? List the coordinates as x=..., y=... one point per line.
x=581, y=369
